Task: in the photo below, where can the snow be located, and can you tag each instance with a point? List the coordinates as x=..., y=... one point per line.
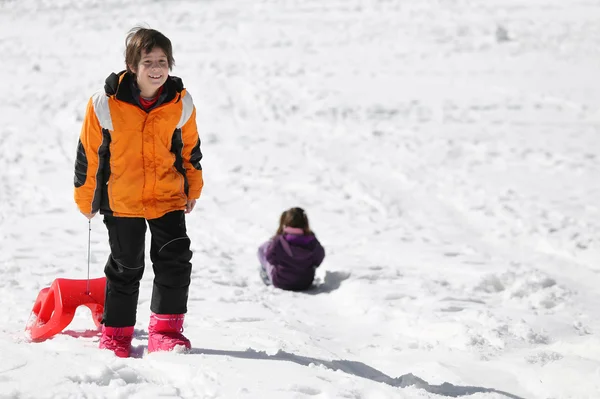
x=447, y=154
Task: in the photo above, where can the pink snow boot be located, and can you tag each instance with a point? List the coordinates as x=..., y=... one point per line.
x=117, y=339
x=165, y=332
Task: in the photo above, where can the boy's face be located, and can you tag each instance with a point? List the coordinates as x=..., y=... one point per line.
x=152, y=71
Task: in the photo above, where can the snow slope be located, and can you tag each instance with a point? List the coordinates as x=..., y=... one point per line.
x=447, y=154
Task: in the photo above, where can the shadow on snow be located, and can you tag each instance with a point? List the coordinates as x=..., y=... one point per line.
x=331, y=282
x=360, y=370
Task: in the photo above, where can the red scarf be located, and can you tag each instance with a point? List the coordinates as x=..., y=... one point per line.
x=146, y=104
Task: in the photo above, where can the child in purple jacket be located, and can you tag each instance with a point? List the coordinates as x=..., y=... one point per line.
x=289, y=259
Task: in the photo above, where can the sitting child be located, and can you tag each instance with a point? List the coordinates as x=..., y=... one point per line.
x=289, y=259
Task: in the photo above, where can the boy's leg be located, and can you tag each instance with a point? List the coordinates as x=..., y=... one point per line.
x=171, y=255
x=124, y=269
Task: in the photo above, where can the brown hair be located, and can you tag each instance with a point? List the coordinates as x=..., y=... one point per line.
x=140, y=40
x=294, y=217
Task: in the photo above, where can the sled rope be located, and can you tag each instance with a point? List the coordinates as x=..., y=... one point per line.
x=87, y=289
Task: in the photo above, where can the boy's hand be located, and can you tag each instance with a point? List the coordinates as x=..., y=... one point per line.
x=88, y=215
x=190, y=206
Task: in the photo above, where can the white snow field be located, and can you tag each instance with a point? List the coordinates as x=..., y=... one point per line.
x=447, y=153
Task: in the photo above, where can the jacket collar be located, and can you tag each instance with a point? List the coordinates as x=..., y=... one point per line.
x=122, y=86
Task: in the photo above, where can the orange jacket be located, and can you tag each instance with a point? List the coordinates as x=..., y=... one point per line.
x=136, y=163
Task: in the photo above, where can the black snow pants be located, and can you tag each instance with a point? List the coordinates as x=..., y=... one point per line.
x=170, y=255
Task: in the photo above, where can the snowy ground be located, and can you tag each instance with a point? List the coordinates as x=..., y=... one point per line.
x=447, y=154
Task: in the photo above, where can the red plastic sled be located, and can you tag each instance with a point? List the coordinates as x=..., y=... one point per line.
x=55, y=306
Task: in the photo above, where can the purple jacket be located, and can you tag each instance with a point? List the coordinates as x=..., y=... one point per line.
x=295, y=258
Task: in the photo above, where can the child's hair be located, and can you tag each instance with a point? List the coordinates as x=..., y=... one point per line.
x=143, y=39
x=294, y=217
